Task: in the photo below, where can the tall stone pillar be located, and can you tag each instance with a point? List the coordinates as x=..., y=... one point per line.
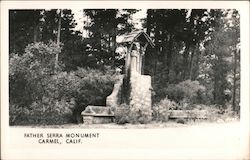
x=140, y=85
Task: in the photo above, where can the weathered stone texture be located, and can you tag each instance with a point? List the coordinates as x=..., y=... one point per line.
x=97, y=115
x=115, y=98
x=140, y=91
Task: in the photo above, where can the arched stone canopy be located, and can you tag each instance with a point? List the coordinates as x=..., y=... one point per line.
x=135, y=57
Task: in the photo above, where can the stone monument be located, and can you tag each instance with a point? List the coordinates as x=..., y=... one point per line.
x=133, y=88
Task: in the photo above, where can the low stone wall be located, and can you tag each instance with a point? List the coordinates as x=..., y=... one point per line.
x=188, y=114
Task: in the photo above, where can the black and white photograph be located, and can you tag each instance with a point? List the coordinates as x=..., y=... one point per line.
x=78, y=75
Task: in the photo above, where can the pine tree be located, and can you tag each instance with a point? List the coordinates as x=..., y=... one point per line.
x=218, y=49
x=105, y=25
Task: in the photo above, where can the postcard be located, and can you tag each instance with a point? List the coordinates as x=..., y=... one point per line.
x=125, y=80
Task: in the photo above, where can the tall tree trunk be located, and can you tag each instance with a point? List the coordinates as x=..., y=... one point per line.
x=192, y=61
x=148, y=22
x=113, y=46
x=191, y=66
x=197, y=63
x=185, y=61
x=36, y=27
x=234, y=82
x=58, y=35
x=169, y=56
x=219, y=79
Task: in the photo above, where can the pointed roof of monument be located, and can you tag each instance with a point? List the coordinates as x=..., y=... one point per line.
x=137, y=35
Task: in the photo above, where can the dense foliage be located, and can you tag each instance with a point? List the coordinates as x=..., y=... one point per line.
x=199, y=46
x=160, y=110
x=41, y=94
x=132, y=114
x=189, y=91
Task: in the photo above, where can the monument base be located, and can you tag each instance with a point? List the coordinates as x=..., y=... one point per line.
x=140, y=91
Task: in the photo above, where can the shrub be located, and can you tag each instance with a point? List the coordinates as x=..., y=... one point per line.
x=122, y=114
x=218, y=112
x=29, y=73
x=46, y=112
x=18, y=115
x=51, y=101
x=181, y=121
x=93, y=88
x=224, y=113
x=51, y=111
x=30, y=76
x=132, y=114
x=140, y=114
x=188, y=91
x=39, y=94
x=160, y=110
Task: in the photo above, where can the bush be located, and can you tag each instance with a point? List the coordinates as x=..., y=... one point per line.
x=46, y=112
x=93, y=88
x=132, y=114
x=39, y=94
x=122, y=114
x=30, y=76
x=30, y=72
x=217, y=113
x=188, y=91
x=18, y=115
x=160, y=110
x=140, y=114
